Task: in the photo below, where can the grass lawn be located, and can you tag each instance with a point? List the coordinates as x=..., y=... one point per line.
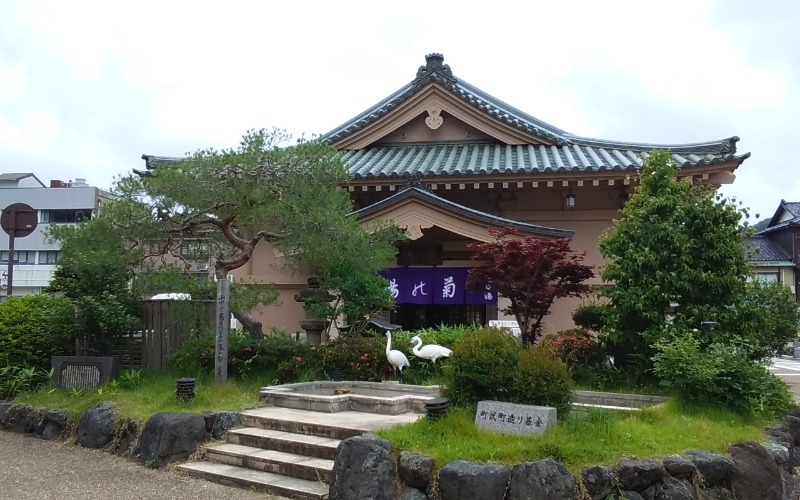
x=154, y=393
x=580, y=440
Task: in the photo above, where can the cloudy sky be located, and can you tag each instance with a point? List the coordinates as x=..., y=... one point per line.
x=87, y=87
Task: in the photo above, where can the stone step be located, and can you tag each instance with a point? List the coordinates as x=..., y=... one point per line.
x=288, y=442
x=339, y=425
x=277, y=462
x=266, y=481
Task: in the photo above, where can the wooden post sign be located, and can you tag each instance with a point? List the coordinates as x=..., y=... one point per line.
x=17, y=220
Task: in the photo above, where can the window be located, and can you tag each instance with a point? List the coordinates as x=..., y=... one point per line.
x=20, y=257
x=767, y=277
x=195, y=250
x=49, y=256
x=65, y=216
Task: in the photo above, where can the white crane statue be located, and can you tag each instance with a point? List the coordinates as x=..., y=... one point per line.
x=397, y=359
x=431, y=352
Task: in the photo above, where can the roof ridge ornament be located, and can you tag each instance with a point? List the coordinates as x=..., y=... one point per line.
x=729, y=145
x=434, y=71
x=415, y=181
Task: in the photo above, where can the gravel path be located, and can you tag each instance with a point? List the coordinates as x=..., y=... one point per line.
x=31, y=468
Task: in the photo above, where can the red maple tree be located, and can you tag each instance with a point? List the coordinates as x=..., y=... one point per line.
x=531, y=272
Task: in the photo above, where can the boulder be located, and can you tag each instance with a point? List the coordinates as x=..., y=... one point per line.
x=782, y=437
x=779, y=453
x=364, y=468
x=413, y=494
x=462, y=480
x=210, y=417
x=541, y=479
x=720, y=493
x=599, y=481
x=21, y=418
x=169, y=436
x=4, y=407
x=755, y=474
x=126, y=437
x=630, y=495
x=96, y=425
x=679, y=467
x=638, y=475
x=225, y=421
x=674, y=489
x=792, y=425
x=714, y=467
x=55, y=422
x=415, y=469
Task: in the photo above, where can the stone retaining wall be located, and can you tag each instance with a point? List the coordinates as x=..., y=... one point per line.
x=752, y=470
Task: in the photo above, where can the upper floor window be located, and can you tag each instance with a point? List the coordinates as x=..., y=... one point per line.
x=195, y=250
x=49, y=256
x=767, y=277
x=20, y=257
x=64, y=216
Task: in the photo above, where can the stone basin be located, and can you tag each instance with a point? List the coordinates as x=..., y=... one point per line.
x=388, y=398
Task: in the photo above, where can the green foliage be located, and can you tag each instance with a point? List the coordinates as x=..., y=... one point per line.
x=762, y=321
x=542, y=379
x=718, y=374
x=307, y=366
x=246, y=356
x=677, y=242
x=359, y=358
x=131, y=379
x=576, y=347
x=17, y=379
x=482, y=367
x=35, y=327
x=591, y=316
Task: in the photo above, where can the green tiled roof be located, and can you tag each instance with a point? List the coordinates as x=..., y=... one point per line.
x=570, y=153
x=422, y=194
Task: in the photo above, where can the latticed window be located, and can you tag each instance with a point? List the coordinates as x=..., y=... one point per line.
x=20, y=257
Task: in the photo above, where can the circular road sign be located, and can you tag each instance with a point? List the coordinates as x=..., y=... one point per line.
x=19, y=219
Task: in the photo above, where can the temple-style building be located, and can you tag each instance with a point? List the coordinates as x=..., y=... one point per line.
x=448, y=161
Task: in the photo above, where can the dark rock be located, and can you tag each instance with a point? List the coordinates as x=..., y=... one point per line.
x=462, y=480
x=415, y=469
x=792, y=425
x=782, y=437
x=779, y=453
x=169, y=436
x=21, y=418
x=649, y=493
x=541, y=479
x=413, y=494
x=56, y=421
x=714, y=467
x=631, y=495
x=720, y=493
x=126, y=437
x=364, y=468
x=38, y=429
x=225, y=421
x=599, y=481
x=677, y=466
x=638, y=475
x=755, y=474
x=4, y=407
x=96, y=425
x=674, y=489
x=210, y=417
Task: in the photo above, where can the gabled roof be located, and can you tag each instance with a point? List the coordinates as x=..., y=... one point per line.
x=562, y=151
x=792, y=209
x=761, y=250
x=18, y=176
x=448, y=206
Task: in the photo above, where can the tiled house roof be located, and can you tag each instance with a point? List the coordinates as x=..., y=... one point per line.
x=568, y=152
x=793, y=208
x=761, y=250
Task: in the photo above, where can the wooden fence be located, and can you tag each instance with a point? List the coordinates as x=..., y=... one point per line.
x=164, y=326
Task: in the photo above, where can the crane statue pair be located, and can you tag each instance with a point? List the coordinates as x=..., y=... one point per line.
x=398, y=360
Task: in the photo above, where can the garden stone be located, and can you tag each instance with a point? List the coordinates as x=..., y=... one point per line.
x=631, y=495
x=781, y=436
x=599, y=481
x=649, y=493
x=714, y=467
x=21, y=418
x=462, y=480
x=674, y=489
x=638, y=475
x=225, y=421
x=364, y=468
x=125, y=437
x=55, y=421
x=679, y=467
x=96, y=425
x=169, y=436
x=720, y=493
x=779, y=453
x=415, y=469
x=755, y=474
x=413, y=494
x=541, y=479
x=4, y=407
x=792, y=425
x=210, y=417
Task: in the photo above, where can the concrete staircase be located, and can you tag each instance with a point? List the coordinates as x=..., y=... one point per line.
x=284, y=451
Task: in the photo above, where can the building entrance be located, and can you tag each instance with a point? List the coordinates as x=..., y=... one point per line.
x=417, y=316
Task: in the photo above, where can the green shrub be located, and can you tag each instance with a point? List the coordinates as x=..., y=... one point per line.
x=482, y=367
x=33, y=328
x=542, y=379
x=718, y=374
x=576, y=347
x=302, y=368
x=591, y=316
x=359, y=358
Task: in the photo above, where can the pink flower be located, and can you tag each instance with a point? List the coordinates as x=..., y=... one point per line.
x=313, y=348
x=248, y=349
x=299, y=359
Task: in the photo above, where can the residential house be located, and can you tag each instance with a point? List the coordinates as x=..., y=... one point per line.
x=774, y=251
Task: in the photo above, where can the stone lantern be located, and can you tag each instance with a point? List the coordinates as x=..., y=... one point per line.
x=313, y=324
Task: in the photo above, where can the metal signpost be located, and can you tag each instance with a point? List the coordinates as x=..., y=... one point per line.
x=18, y=220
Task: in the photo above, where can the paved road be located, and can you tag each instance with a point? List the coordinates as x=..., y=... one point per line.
x=788, y=369
x=31, y=468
